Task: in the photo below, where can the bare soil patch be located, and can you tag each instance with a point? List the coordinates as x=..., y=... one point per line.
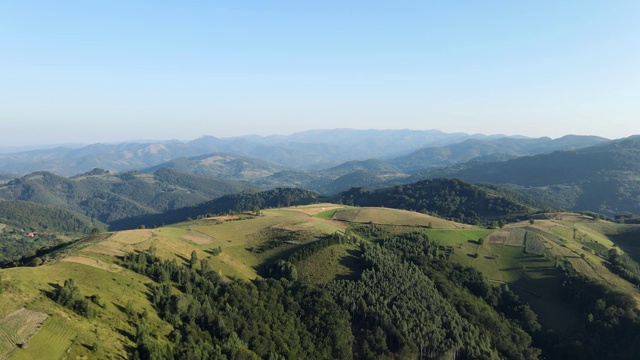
x=198, y=239
x=499, y=237
x=93, y=262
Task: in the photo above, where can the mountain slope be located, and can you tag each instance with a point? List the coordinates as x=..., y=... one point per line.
x=601, y=178
x=381, y=290
x=448, y=198
x=245, y=201
x=488, y=149
x=306, y=150
x=108, y=197
x=221, y=166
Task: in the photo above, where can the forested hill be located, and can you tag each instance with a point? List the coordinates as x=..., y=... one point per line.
x=222, y=166
x=449, y=198
x=601, y=178
x=30, y=216
x=108, y=197
x=486, y=149
x=245, y=201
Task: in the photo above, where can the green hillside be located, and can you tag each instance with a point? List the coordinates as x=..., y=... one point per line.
x=222, y=166
x=245, y=201
x=26, y=227
x=108, y=197
x=600, y=178
x=489, y=150
x=447, y=198
x=328, y=281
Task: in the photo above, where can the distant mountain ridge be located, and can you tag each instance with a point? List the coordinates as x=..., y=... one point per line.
x=489, y=150
x=306, y=150
x=603, y=178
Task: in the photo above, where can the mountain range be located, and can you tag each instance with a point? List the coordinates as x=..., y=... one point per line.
x=309, y=150
x=581, y=173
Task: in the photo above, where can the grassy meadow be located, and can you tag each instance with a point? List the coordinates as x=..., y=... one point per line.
x=524, y=255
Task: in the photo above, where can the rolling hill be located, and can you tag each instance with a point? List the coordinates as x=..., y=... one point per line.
x=234, y=203
x=485, y=150
x=107, y=197
x=306, y=150
x=509, y=293
x=601, y=178
x=221, y=166
x=26, y=227
x=447, y=198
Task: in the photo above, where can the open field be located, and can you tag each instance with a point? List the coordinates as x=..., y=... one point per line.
x=248, y=242
x=93, y=262
x=317, y=209
x=51, y=342
x=460, y=236
x=396, y=217
x=27, y=286
x=18, y=327
x=333, y=262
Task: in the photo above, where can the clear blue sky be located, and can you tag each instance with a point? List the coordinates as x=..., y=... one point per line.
x=100, y=71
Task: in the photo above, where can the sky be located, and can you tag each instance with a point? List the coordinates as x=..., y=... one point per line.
x=106, y=71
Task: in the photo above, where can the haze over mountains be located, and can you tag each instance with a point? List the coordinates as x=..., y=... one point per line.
x=573, y=172
x=454, y=224
x=306, y=150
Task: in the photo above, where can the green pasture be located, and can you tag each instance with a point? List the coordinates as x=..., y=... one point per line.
x=333, y=262
x=327, y=214
x=51, y=342
x=457, y=236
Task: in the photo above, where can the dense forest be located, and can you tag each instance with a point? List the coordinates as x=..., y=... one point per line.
x=108, y=197
x=600, y=178
x=27, y=227
x=409, y=301
x=29, y=216
x=245, y=201
x=393, y=309
x=448, y=198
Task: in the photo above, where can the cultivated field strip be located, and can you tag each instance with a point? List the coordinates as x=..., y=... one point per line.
x=17, y=328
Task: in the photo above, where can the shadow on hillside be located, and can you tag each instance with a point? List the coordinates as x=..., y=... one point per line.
x=126, y=334
x=50, y=293
x=282, y=252
x=543, y=294
x=120, y=307
x=354, y=263
x=186, y=261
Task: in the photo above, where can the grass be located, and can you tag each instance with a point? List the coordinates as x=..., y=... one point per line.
x=459, y=236
x=28, y=285
x=95, y=270
x=333, y=262
x=327, y=214
x=516, y=237
x=627, y=237
x=51, y=342
x=396, y=217
x=17, y=328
